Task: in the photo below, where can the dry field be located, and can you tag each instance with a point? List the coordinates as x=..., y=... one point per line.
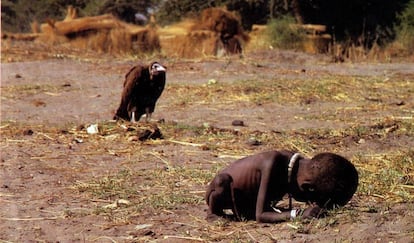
x=59, y=183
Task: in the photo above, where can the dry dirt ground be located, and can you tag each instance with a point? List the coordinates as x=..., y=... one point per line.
x=59, y=183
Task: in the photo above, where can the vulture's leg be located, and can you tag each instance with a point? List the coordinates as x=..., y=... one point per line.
x=131, y=108
x=147, y=114
x=133, y=117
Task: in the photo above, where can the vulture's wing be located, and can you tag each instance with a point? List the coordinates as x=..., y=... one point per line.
x=133, y=75
x=132, y=79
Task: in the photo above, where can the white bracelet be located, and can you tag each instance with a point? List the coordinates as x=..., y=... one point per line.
x=293, y=214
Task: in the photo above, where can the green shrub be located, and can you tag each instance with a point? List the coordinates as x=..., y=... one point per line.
x=405, y=28
x=283, y=34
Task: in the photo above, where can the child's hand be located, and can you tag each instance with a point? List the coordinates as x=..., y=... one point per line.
x=313, y=211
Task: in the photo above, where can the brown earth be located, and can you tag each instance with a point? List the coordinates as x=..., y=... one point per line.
x=48, y=97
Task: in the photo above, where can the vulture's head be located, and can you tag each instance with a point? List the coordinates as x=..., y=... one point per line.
x=156, y=69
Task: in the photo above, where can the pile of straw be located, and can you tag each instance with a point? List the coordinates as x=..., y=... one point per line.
x=103, y=33
x=216, y=32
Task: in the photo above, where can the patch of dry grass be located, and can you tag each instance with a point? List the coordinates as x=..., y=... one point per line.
x=123, y=194
x=328, y=89
x=389, y=177
x=28, y=89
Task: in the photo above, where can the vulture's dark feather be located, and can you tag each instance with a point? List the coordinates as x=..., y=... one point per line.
x=143, y=86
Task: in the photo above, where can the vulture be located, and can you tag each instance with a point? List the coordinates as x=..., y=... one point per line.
x=143, y=86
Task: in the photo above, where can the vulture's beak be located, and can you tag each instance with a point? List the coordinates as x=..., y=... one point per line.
x=156, y=68
x=159, y=68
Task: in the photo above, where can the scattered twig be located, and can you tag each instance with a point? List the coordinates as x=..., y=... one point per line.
x=292, y=226
x=100, y=200
x=230, y=233
x=182, y=237
x=168, y=211
x=158, y=157
x=30, y=219
x=52, y=94
x=6, y=195
x=225, y=156
x=197, y=219
x=4, y=126
x=251, y=236
x=377, y=195
x=46, y=136
x=64, y=156
x=186, y=224
x=104, y=237
x=16, y=140
x=47, y=157
x=407, y=186
x=272, y=237
x=186, y=143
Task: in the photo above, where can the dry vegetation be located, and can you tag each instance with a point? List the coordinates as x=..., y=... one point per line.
x=127, y=190
x=215, y=32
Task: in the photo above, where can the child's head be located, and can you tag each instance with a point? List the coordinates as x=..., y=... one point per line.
x=332, y=180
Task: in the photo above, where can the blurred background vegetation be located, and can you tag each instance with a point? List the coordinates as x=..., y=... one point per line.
x=365, y=23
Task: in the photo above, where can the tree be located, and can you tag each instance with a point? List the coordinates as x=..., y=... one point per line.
x=174, y=10
x=126, y=10
x=405, y=27
x=363, y=22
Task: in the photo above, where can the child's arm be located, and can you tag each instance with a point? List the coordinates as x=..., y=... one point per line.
x=261, y=215
x=274, y=217
x=313, y=211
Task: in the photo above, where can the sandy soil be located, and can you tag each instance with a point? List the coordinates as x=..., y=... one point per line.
x=38, y=171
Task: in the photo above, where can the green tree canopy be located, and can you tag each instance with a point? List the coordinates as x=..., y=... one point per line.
x=362, y=21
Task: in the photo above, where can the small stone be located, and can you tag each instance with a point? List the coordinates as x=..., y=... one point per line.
x=254, y=142
x=28, y=132
x=400, y=103
x=238, y=123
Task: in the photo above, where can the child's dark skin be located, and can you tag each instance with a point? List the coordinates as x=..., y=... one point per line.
x=249, y=185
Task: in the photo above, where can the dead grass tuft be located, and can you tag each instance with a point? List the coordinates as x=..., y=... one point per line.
x=388, y=177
